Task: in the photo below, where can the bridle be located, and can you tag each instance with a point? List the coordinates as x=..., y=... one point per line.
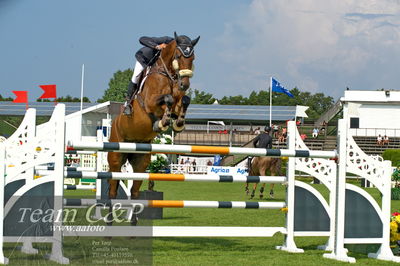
x=176, y=77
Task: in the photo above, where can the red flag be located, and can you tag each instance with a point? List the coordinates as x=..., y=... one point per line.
x=50, y=91
x=22, y=96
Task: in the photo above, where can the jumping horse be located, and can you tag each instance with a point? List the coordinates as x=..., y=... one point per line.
x=161, y=102
x=259, y=167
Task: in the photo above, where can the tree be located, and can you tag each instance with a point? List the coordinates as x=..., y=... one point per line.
x=201, y=97
x=5, y=99
x=117, y=86
x=66, y=99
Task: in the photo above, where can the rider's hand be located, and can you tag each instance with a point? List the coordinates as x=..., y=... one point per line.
x=161, y=46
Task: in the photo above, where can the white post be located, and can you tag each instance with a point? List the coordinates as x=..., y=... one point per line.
x=290, y=245
x=56, y=250
x=3, y=260
x=339, y=252
x=384, y=252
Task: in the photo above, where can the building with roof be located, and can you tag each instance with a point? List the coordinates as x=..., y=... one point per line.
x=199, y=117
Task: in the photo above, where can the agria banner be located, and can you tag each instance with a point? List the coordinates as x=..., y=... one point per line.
x=226, y=170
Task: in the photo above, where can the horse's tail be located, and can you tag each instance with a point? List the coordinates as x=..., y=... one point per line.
x=251, y=166
x=277, y=166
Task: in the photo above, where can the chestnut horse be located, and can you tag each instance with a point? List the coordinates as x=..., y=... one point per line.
x=161, y=99
x=259, y=167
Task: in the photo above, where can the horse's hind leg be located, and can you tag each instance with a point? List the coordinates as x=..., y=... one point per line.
x=262, y=190
x=115, y=161
x=139, y=164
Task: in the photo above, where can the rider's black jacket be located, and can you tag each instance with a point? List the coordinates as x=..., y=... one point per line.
x=263, y=140
x=148, y=52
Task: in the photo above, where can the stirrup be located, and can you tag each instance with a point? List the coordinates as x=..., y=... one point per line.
x=127, y=109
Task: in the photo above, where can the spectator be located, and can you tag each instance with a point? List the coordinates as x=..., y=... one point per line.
x=187, y=165
x=283, y=135
x=315, y=132
x=379, y=140
x=275, y=130
x=194, y=165
x=303, y=136
x=386, y=140
x=209, y=163
x=257, y=131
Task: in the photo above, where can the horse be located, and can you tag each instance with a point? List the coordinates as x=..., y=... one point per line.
x=259, y=167
x=162, y=101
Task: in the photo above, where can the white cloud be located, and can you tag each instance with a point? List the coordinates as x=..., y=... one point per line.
x=315, y=45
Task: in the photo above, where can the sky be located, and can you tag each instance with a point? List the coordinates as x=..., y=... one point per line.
x=316, y=46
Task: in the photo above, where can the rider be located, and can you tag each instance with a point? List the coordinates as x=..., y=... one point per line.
x=264, y=140
x=146, y=56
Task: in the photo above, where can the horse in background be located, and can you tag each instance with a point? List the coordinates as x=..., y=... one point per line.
x=259, y=167
x=161, y=102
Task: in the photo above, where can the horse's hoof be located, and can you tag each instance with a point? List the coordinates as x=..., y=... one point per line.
x=261, y=196
x=177, y=128
x=134, y=221
x=157, y=127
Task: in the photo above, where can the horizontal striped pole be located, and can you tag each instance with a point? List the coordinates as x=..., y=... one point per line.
x=178, y=204
x=80, y=152
x=67, y=168
x=80, y=187
x=176, y=177
x=188, y=149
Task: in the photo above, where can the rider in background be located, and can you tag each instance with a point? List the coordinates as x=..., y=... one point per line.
x=146, y=56
x=264, y=140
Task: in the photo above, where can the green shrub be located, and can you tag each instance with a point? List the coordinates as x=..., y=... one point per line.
x=396, y=193
x=392, y=155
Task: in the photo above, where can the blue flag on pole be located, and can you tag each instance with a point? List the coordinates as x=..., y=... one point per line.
x=277, y=87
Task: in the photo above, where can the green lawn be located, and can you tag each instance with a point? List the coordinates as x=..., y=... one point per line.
x=204, y=251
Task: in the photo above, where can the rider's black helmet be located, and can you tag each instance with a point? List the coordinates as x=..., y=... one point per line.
x=267, y=129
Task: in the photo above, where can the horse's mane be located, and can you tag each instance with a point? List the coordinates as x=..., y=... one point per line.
x=168, y=52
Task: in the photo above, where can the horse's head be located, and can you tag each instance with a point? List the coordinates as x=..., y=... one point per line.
x=183, y=59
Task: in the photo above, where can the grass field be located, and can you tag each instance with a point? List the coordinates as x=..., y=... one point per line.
x=202, y=251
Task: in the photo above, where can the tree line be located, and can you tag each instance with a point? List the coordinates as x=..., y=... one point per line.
x=318, y=102
x=117, y=87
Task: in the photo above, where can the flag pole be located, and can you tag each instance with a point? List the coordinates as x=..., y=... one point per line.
x=270, y=102
x=82, y=78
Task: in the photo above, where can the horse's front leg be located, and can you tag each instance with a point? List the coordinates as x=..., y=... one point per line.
x=164, y=100
x=139, y=163
x=179, y=124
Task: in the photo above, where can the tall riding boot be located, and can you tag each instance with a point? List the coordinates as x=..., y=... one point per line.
x=132, y=89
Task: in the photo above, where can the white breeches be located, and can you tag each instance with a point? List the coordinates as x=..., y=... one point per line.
x=138, y=69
